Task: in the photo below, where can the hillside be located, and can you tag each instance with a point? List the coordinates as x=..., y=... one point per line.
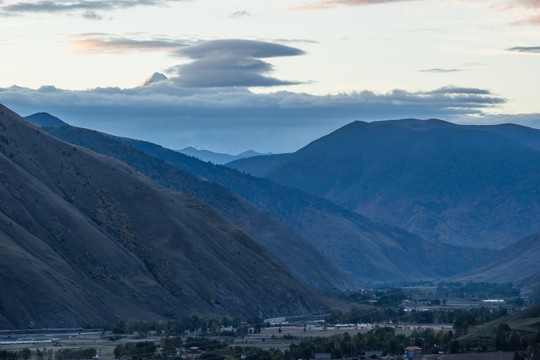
x=257, y=165
x=366, y=251
x=87, y=240
x=509, y=332
x=448, y=183
x=289, y=246
x=517, y=263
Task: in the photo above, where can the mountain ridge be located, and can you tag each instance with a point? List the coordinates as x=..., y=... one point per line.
x=283, y=242
x=431, y=177
x=218, y=158
x=117, y=245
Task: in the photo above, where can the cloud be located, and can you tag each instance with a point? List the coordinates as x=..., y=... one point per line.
x=248, y=48
x=88, y=7
x=240, y=14
x=232, y=62
x=533, y=20
x=91, y=15
x=106, y=43
x=440, y=71
x=236, y=119
x=529, y=5
x=325, y=4
x=526, y=49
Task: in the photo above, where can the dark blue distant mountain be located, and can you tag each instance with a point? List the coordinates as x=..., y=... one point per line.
x=466, y=185
x=45, y=119
x=257, y=165
x=217, y=158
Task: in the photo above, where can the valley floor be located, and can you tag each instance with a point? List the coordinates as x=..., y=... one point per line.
x=270, y=337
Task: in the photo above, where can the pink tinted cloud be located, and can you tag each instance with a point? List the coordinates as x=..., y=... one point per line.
x=530, y=7
x=102, y=43
x=325, y=4
x=533, y=20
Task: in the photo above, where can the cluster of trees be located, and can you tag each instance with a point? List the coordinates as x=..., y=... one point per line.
x=385, y=296
x=75, y=354
x=47, y=354
x=136, y=350
x=480, y=290
x=168, y=346
x=191, y=324
x=397, y=315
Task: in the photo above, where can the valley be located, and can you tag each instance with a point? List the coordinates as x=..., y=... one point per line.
x=185, y=228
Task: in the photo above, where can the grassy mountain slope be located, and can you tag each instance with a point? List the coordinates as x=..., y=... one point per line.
x=527, y=321
x=445, y=182
x=289, y=246
x=516, y=263
x=91, y=240
x=364, y=250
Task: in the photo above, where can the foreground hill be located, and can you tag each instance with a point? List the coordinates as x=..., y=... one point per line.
x=451, y=183
x=517, y=331
x=366, y=251
x=289, y=246
x=517, y=263
x=87, y=240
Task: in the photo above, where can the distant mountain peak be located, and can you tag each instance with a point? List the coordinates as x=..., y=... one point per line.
x=45, y=119
x=154, y=78
x=217, y=158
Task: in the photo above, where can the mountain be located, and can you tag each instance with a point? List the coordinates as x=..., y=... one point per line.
x=154, y=78
x=257, y=165
x=448, y=183
x=289, y=246
x=366, y=251
x=523, y=134
x=87, y=240
x=45, y=119
x=217, y=158
x=517, y=263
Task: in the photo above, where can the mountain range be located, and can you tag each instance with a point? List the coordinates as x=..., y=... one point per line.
x=285, y=243
x=367, y=252
x=475, y=186
x=87, y=240
x=106, y=221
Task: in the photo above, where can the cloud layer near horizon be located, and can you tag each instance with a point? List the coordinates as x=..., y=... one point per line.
x=235, y=119
x=87, y=7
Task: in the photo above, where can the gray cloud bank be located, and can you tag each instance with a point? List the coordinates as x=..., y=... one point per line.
x=88, y=6
x=440, y=70
x=230, y=62
x=526, y=49
x=235, y=119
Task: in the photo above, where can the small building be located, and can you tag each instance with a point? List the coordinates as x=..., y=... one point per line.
x=194, y=352
x=412, y=352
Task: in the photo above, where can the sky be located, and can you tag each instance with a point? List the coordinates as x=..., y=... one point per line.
x=268, y=75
